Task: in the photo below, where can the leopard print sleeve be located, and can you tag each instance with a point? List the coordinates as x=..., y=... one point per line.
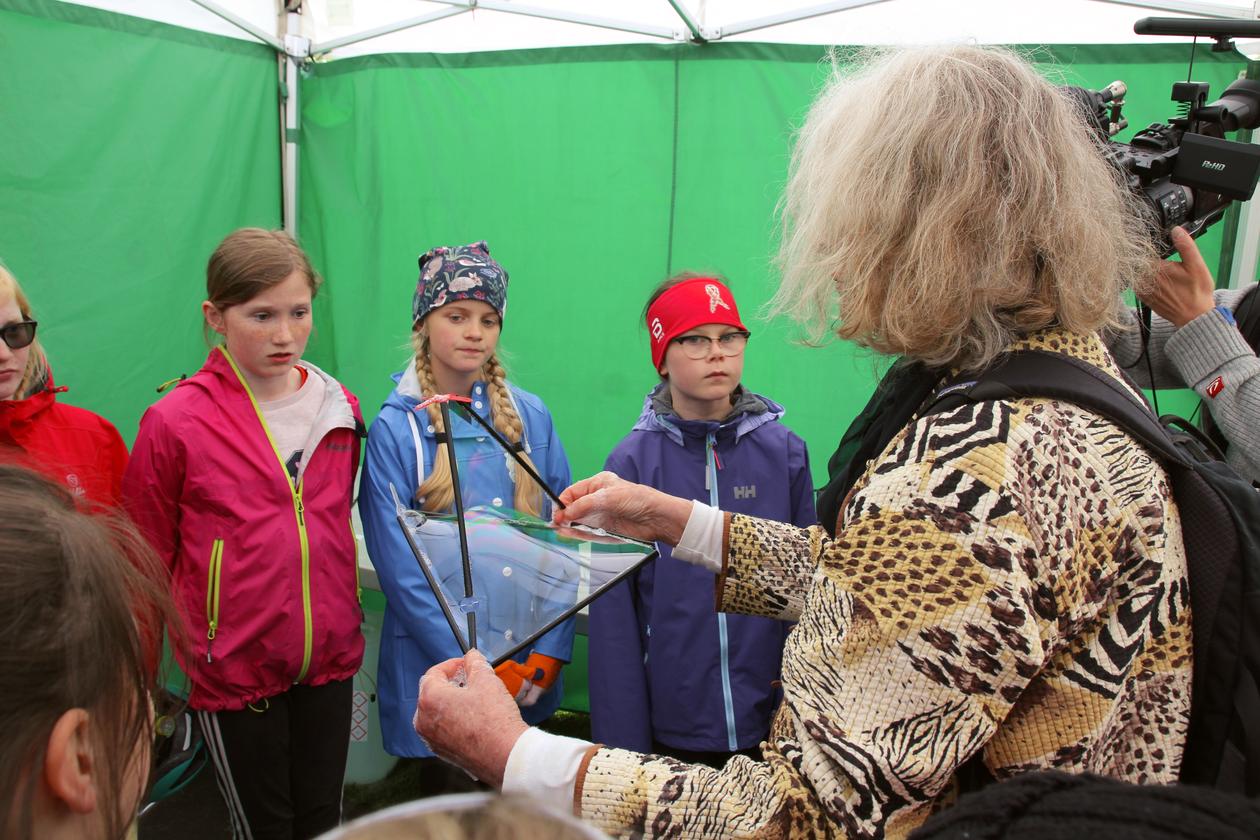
x=768, y=567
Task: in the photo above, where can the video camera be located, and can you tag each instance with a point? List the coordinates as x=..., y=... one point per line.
x=1185, y=168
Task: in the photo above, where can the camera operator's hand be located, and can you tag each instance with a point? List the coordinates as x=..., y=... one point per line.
x=1181, y=291
x=608, y=502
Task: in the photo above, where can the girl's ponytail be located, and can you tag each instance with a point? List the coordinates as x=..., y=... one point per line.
x=528, y=496
x=436, y=493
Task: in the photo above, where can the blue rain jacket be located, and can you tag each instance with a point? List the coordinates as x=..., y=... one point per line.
x=415, y=635
x=663, y=664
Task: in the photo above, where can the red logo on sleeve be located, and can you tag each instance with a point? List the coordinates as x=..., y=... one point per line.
x=1215, y=387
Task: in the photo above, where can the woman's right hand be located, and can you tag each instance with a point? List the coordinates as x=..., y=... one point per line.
x=633, y=510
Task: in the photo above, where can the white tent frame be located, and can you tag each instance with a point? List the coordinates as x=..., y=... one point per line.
x=297, y=49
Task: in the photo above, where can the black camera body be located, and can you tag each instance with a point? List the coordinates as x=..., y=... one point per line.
x=1186, y=169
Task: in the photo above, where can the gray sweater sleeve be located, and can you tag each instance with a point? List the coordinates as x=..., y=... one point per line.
x=1196, y=356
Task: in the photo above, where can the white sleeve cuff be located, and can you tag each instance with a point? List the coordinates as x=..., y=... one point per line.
x=544, y=767
x=701, y=542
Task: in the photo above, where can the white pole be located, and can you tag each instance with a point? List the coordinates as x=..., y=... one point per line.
x=513, y=8
x=297, y=48
x=241, y=23
x=325, y=46
x=726, y=30
x=1185, y=7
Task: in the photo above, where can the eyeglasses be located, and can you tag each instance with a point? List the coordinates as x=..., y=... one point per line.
x=697, y=346
x=18, y=334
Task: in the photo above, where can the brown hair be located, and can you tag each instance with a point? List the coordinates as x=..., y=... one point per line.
x=36, y=373
x=437, y=492
x=83, y=607
x=250, y=261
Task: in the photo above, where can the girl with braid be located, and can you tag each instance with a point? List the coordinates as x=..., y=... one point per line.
x=456, y=316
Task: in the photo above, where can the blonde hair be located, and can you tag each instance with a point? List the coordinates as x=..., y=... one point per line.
x=36, y=373
x=943, y=201
x=437, y=492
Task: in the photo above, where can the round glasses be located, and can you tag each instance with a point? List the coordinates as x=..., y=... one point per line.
x=18, y=334
x=697, y=346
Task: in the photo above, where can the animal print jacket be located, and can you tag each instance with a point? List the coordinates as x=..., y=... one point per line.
x=1009, y=580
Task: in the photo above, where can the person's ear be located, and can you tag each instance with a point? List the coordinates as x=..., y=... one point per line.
x=213, y=317
x=70, y=766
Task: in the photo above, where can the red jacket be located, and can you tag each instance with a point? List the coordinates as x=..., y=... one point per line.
x=263, y=570
x=68, y=444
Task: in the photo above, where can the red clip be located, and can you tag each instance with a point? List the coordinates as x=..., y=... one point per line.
x=441, y=398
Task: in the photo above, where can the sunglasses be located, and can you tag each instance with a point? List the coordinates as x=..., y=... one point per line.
x=19, y=334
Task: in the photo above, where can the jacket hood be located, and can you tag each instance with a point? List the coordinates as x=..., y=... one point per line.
x=749, y=411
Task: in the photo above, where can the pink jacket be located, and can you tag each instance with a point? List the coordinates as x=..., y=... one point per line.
x=263, y=569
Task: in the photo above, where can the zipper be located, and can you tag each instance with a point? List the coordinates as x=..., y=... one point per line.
x=296, y=490
x=212, y=596
x=711, y=466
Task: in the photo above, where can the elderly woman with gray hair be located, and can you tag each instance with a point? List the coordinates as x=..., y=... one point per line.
x=1006, y=584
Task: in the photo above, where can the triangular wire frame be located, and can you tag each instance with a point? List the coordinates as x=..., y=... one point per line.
x=410, y=521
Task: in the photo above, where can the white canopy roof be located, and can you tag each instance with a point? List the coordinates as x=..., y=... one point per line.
x=472, y=25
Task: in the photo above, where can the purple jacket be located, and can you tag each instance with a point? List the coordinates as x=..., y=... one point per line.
x=663, y=664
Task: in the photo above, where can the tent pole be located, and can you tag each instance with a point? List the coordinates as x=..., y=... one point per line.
x=1246, y=244
x=325, y=46
x=569, y=17
x=687, y=18
x=241, y=23
x=297, y=49
x=793, y=16
x=1187, y=7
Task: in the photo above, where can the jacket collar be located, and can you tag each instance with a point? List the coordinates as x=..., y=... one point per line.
x=17, y=412
x=749, y=411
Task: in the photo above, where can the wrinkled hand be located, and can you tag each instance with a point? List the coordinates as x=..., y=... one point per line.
x=529, y=680
x=608, y=502
x=1181, y=291
x=467, y=718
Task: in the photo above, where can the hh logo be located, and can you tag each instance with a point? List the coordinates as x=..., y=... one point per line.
x=1215, y=387
x=749, y=492
x=658, y=331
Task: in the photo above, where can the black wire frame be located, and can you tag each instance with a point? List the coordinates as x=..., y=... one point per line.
x=465, y=558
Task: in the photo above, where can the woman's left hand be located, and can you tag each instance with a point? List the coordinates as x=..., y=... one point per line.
x=467, y=718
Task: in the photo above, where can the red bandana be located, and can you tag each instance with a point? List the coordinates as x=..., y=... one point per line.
x=699, y=300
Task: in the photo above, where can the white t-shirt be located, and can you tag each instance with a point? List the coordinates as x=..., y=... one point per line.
x=291, y=419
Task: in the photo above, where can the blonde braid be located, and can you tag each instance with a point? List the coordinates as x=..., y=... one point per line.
x=528, y=496
x=436, y=493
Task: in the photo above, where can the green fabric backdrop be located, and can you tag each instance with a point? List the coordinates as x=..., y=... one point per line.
x=593, y=173
x=128, y=150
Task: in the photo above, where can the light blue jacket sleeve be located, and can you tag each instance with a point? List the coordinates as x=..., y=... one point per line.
x=558, y=644
x=390, y=459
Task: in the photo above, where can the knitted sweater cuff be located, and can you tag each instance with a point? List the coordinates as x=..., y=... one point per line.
x=1205, y=345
